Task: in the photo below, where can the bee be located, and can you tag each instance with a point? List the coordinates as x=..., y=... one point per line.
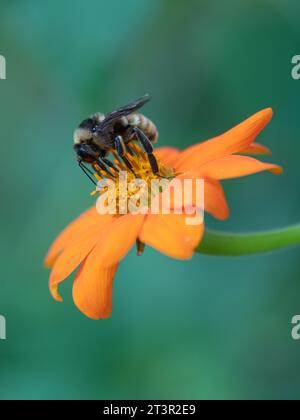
x=101, y=134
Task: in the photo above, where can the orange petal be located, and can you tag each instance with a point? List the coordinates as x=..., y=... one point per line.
x=119, y=239
x=237, y=166
x=74, y=230
x=179, y=194
x=257, y=149
x=214, y=199
x=73, y=255
x=92, y=288
x=171, y=235
x=168, y=155
x=233, y=141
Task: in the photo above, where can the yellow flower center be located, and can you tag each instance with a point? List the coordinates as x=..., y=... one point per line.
x=131, y=188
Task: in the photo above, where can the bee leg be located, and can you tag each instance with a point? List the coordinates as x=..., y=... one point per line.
x=87, y=172
x=102, y=164
x=121, y=149
x=110, y=164
x=148, y=147
x=129, y=150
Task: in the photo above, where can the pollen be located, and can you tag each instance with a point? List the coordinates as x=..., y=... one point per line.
x=132, y=184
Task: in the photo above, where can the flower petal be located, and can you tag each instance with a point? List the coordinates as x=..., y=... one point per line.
x=119, y=239
x=257, y=149
x=74, y=230
x=237, y=166
x=215, y=201
x=233, y=141
x=171, y=235
x=168, y=155
x=92, y=288
x=74, y=254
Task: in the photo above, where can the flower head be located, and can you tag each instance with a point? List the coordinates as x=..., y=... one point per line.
x=94, y=244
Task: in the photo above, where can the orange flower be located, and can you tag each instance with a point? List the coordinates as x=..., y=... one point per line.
x=96, y=244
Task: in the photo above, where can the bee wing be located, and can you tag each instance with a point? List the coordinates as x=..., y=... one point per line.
x=124, y=111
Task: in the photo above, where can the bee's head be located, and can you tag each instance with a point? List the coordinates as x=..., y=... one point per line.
x=87, y=129
x=84, y=153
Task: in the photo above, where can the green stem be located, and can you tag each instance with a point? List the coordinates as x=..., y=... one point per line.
x=232, y=244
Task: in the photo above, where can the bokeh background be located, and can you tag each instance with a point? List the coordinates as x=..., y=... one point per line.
x=211, y=328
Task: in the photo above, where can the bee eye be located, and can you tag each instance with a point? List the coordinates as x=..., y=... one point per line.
x=83, y=153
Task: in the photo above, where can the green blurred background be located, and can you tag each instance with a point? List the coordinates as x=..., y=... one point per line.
x=211, y=328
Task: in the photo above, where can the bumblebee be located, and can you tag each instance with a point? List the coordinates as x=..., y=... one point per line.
x=101, y=134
